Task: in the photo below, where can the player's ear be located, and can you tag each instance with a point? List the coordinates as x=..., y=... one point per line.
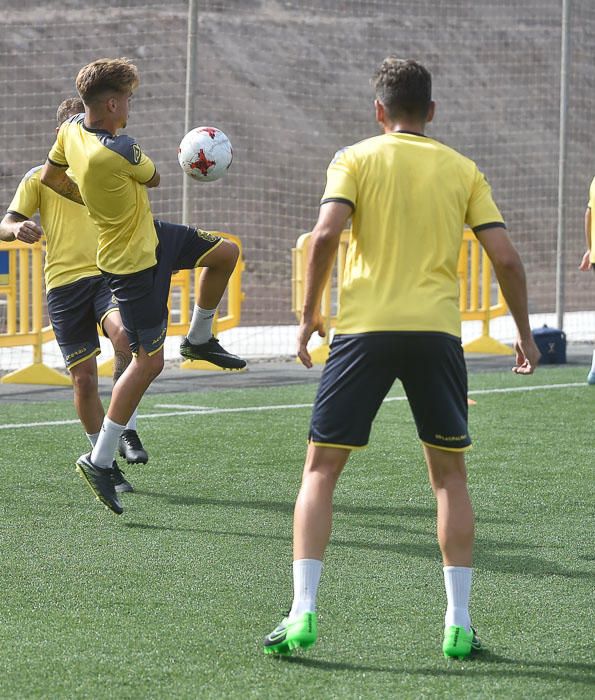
x=431, y=111
x=111, y=104
x=379, y=111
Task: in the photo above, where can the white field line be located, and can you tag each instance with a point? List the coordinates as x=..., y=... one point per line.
x=201, y=410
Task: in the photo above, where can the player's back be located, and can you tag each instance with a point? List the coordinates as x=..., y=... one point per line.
x=110, y=172
x=71, y=235
x=412, y=197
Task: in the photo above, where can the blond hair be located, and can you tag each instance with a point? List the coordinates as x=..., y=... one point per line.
x=68, y=108
x=106, y=75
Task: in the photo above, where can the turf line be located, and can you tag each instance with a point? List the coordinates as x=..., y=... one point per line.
x=201, y=410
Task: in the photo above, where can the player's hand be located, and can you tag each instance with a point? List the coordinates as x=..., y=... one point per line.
x=585, y=262
x=527, y=356
x=28, y=232
x=305, y=331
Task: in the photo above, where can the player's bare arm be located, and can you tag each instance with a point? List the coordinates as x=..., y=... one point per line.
x=323, y=249
x=56, y=179
x=510, y=273
x=586, y=261
x=154, y=181
x=14, y=227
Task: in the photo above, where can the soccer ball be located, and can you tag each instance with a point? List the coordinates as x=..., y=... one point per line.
x=205, y=154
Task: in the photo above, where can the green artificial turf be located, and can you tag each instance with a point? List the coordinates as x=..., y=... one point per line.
x=172, y=599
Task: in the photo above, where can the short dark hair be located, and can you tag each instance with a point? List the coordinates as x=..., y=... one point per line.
x=404, y=87
x=71, y=106
x=106, y=75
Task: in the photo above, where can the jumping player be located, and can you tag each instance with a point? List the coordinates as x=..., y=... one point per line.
x=136, y=253
x=78, y=297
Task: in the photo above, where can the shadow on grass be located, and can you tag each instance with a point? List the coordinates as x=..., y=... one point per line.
x=493, y=555
x=484, y=664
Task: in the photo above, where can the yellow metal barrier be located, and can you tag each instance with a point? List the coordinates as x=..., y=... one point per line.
x=476, y=283
x=21, y=285
x=477, y=286
x=22, y=288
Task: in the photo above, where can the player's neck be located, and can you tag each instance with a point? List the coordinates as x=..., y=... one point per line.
x=412, y=127
x=102, y=122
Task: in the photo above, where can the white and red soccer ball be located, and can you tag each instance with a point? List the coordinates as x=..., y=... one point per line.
x=205, y=153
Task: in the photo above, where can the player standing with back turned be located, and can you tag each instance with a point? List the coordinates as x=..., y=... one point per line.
x=588, y=260
x=408, y=197
x=136, y=253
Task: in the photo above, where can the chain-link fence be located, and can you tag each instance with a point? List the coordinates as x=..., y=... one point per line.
x=289, y=83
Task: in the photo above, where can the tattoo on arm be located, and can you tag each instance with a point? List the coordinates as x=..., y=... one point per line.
x=69, y=189
x=121, y=361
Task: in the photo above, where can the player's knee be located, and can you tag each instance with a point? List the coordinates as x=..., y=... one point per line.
x=152, y=365
x=84, y=383
x=451, y=477
x=230, y=252
x=119, y=340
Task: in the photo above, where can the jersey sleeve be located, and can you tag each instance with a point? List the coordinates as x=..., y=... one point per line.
x=27, y=198
x=140, y=166
x=341, y=183
x=482, y=211
x=144, y=170
x=56, y=156
x=591, y=203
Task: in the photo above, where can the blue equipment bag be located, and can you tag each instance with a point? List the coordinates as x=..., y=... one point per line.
x=552, y=345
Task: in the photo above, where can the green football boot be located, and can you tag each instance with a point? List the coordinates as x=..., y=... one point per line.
x=287, y=636
x=458, y=643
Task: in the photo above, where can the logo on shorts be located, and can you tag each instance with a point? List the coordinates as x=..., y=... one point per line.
x=136, y=153
x=205, y=235
x=75, y=354
x=450, y=438
x=160, y=337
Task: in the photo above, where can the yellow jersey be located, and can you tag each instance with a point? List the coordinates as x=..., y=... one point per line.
x=592, y=208
x=411, y=197
x=71, y=235
x=110, y=172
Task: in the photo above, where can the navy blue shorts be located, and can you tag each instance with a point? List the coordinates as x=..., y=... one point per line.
x=362, y=368
x=142, y=296
x=75, y=311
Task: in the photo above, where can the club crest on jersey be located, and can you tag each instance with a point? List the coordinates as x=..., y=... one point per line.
x=136, y=153
x=211, y=238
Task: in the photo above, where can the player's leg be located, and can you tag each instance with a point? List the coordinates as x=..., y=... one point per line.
x=355, y=375
x=435, y=380
x=591, y=375
x=130, y=446
x=71, y=312
x=312, y=523
x=87, y=403
x=456, y=527
x=142, y=299
x=218, y=258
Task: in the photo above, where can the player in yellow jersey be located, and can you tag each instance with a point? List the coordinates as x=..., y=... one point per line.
x=78, y=297
x=408, y=197
x=136, y=253
x=588, y=260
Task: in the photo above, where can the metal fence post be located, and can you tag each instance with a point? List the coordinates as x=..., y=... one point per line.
x=560, y=257
x=190, y=90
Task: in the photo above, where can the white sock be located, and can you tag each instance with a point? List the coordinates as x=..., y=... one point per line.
x=593, y=362
x=457, y=581
x=92, y=437
x=306, y=576
x=201, y=325
x=105, y=447
x=131, y=425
